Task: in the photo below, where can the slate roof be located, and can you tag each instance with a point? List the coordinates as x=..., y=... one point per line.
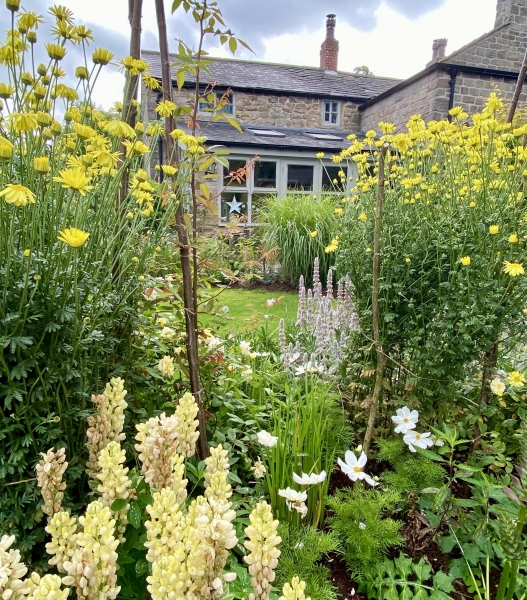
x=260, y=76
x=293, y=138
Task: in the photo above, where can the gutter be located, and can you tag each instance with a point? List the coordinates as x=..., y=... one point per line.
x=453, y=76
x=440, y=66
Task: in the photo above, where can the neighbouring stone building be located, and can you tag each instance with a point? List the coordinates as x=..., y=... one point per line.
x=289, y=113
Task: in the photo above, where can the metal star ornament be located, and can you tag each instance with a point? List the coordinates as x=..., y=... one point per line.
x=234, y=205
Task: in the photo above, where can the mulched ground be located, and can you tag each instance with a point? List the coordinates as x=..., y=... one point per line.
x=418, y=542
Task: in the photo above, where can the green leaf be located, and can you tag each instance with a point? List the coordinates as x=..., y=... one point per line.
x=447, y=543
x=422, y=570
x=472, y=553
x=119, y=504
x=234, y=123
x=439, y=595
x=134, y=515
x=125, y=559
x=141, y=567
x=233, y=44
x=443, y=582
x=430, y=455
x=180, y=78
x=175, y=5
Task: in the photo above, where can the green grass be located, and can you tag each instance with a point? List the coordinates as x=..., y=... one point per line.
x=243, y=310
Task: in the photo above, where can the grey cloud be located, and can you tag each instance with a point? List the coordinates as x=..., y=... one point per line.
x=276, y=17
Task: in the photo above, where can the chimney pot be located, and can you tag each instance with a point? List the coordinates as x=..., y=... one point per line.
x=438, y=50
x=330, y=46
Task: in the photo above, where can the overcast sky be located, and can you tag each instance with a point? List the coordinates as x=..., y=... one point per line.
x=392, y=37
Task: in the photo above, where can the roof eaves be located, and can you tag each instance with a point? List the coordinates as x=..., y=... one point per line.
x=440, y=66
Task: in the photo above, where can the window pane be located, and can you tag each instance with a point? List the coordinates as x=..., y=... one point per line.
x=227, y=108
x=210, y=101
x=300, y=177
x=332, y=181
x=265, y=174
x=234, y=206
x=234, y=165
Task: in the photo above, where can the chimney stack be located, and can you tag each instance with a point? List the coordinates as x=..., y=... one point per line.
x=438, y=50
x=329, y=51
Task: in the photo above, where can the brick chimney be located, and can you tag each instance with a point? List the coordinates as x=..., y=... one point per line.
x=438, y=50
x=329, y=51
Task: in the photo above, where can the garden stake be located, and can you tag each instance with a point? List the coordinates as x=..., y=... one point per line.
x=135, y=10
x=491, y=356
x=184, y=253
x=381, y=358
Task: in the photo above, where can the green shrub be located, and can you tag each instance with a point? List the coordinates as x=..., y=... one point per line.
x=288, y=223
x=412, y=472
x=361, y=519
x=301, y=550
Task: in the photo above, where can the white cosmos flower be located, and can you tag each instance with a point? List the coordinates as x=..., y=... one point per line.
x=497, y=387
x=421, y=440
x=312, y=479
x=292, y=495
x=295, y=500
x=353, y=467
x=362, y=525
x=405, y=419
x=266, y=439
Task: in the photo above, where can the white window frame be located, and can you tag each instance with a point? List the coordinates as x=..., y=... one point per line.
x=219, y=94
x=282, y=162
x=339, y=111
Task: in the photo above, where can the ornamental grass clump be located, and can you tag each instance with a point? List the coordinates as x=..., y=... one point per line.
x=73, y=215
x=301, y=226
x=452, y=247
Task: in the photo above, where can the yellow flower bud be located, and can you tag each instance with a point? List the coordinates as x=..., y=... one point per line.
x=41, y=164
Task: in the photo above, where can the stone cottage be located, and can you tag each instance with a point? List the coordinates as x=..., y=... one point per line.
x=288, y=114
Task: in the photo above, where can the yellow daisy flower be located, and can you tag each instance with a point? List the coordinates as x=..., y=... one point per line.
x=513, y=269
x=101, y=56
x=41, y=164
x=74, y=179
x=119, y=129
x=465, y=261
x=516, y=379
x=23, y=122
x=74, y=237
x=16, y=194
x=493, y=229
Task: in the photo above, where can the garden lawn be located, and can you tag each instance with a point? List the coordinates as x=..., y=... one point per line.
x=242, y=310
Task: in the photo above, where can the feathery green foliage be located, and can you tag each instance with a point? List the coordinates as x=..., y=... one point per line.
x=362, y=523
x=301, y=550
x=412, y=472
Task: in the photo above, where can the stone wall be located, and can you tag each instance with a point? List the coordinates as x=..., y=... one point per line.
x=276, y=110
x=427, y=96
x=504, y=47
x=472, y=90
